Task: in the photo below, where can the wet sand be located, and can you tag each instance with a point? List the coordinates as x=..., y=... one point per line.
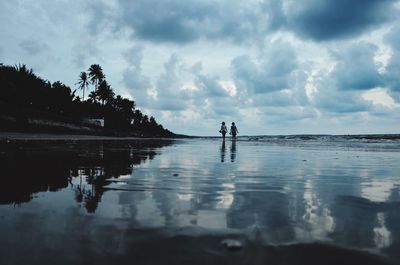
x=16, y=136
x=196, y=201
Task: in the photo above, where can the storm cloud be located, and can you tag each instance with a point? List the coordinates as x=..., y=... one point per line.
x=179, y=22
x=322, y=20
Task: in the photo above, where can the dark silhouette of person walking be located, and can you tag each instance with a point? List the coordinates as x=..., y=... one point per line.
x=234, y=131
x=223, y=130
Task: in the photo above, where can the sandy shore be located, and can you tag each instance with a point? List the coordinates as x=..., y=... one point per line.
x=45, y=136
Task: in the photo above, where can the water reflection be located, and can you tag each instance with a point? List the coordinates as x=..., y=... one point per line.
x=30, y=168
x=143, y=195
x=233, y=150
x=223, y=150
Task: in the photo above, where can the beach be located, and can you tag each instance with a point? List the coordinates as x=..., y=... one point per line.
x=254, y=200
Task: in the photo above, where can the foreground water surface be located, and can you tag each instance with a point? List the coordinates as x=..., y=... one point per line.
x=197, y=201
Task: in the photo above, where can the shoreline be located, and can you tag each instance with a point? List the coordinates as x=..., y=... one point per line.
x=27, y=136
x=20, y=136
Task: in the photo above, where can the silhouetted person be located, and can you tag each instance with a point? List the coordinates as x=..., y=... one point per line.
x=233, y=150
x=234, y=131
x=223, y=149
x=223, y=130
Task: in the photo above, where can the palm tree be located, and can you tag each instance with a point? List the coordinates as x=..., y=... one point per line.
x=23, y=69
x=96, y=75
x=83, y=83
x=105, y=93
x=137, y=118
x=93, y=96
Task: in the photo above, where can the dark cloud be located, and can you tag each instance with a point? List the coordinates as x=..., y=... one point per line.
x=355, y=68
x=391, y=74
x=178, y=21
x=322, y=20
x=331, y=100
x=33, y=47
x=341, y=90
x=182, y=22
x=169, y=21
x=270, y=72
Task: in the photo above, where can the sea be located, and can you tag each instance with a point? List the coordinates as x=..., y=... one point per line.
x=298, y=199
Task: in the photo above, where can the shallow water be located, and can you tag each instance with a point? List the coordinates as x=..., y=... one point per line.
x=284, y=201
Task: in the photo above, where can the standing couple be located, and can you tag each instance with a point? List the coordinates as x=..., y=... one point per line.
x=234, y=131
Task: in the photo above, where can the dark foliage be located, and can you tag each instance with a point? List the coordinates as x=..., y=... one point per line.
x=27, y=95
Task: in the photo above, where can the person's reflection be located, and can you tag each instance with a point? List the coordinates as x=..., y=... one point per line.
x=223, y=149
x=233, y=150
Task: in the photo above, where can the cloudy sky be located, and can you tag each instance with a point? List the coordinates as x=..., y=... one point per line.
x=273, y=67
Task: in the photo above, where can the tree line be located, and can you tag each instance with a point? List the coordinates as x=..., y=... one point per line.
x=22, y=88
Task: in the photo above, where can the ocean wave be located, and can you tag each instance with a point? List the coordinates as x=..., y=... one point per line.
x=374, y=142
